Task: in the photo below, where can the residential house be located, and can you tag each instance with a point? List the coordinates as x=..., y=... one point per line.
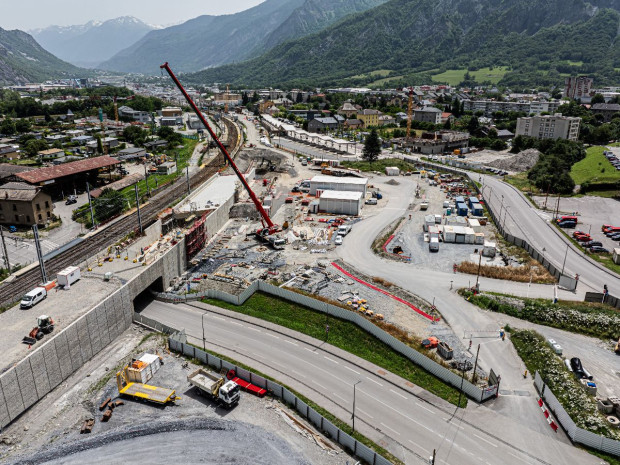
x=131, y=153
x=23, y=204
x=171, y=111
x=428, y=115
x=504, y=134
x=108, y=143
x=607, y=110
x=447, y=116
x=322, y=124
x=385, y=120
x=82, y=140
x=283, y=102
x=369, y=117
x=155, y=145
x=348, y=109
x=353, y=124
x=400, y=116
x=9, y=151
x=52, y=138
x=140, y=116
x=51, y=154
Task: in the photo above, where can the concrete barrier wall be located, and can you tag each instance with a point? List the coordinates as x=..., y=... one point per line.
x=216, y=220
x=53, y=361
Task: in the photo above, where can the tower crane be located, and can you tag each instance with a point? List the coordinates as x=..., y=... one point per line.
x=268, y=230
x=226, y=97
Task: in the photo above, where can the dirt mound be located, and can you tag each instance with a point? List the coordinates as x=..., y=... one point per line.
x=522, y=161
x=393, y=182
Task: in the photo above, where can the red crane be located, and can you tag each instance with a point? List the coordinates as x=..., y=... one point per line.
x=268, y=226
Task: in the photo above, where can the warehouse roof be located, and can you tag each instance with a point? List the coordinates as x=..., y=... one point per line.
x=341, y=195
x=339, y=180
x=67, y=169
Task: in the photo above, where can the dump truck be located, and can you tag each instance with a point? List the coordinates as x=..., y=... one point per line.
x=216, y=387
x=45, y=325
x=142, y=391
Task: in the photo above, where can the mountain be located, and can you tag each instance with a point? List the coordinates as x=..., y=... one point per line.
x=23, y=60
x=89, y=44
x=539, y=41
x=209, y=41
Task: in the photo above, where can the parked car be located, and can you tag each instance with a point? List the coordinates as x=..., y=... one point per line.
x=371, y=201
x=586, y=238
x=567, y=224
x=615, y=237
x=338, y=240
x=598, y=249
x=579, y=233
x=71, y=200
x=593, y=244
x=33, y=297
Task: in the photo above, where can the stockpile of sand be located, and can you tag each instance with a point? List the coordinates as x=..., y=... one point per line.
x=522, y=161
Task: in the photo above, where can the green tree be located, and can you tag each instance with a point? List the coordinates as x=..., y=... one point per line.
x=8, y=127
x=135, y=135
x=598, y=98
x=110, y=203
x=173, y=137
x=22, y=125
x=372, y=147
x=34, y=146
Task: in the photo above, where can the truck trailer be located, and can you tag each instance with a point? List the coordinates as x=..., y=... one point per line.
x=216, y=387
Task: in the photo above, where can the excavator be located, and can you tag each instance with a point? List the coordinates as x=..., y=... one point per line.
x=269, y=230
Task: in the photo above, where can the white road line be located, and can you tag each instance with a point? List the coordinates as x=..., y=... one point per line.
x=517, y=457
x=482, y=439
x=310, y=350
x=453, y=424
x=367, y=414
x=290, y=342
x=219, y=317
x=386, y=426
x=235, y=323
x=340, y=397
x=272, y=335
x=351, y=369
x=320, y=385
x=376, y=382
x=298, y=374
x=422, y=406
x=418, y=445
x=398, y=394
x=332, y=360
x=399, y=412
x=254, y=329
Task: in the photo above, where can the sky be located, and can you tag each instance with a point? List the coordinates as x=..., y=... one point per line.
x=33, y=14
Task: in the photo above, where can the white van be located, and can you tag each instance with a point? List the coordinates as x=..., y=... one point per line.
x=33, y=297
x=344, y=230
x=433, y=244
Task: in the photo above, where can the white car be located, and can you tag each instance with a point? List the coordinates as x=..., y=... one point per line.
x=338, y=240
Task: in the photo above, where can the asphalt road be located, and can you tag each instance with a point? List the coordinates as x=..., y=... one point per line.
x=406, y=420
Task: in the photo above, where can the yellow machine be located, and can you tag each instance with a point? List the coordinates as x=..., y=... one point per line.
x=143, y=391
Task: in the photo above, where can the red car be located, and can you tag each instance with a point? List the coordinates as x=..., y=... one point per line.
x=585, y=238
x=288, y=200
x=579, y=233
x=606, y=226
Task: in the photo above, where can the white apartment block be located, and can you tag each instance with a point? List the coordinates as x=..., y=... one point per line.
x=549, y=127
x=488, y=107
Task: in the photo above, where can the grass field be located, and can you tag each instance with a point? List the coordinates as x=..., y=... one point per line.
x=594, y=168
x=344, y=335
x=376, y=73
x=454, y=76
x=380, y=82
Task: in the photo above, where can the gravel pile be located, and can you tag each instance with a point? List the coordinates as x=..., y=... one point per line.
x=520, y=162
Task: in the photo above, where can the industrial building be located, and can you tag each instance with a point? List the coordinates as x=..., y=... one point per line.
x=341, y=202
x=321, y=183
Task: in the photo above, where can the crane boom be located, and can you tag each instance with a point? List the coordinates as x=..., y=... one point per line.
x=272, y=228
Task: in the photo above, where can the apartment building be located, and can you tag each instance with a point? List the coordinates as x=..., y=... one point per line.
x=549, y=127
x=488, y=107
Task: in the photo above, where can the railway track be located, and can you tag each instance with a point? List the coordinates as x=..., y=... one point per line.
x=11, y=291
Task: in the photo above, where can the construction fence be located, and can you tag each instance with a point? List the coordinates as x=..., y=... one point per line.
x=469, y=389
x=602, y=298
x=576, y=434
x=178, y=343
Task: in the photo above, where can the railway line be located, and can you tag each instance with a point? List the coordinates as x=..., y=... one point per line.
x=11, y=291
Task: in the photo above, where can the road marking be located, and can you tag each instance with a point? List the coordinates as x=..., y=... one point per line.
x=272, y=335
x=400, y=413
x=254, y=329
x=386, y=426
x=454, y=424
x=418, y=445
x=310, y=350
x=235, y=323
x=320, y=385
x=482, y=439
x=422, y=406
x=398, y=394
x=332, y=360
x=298, y=374
x=351, y=369
x=219, y=317
x=340, y=397
x=376, y=382
x=290, y=342
x=367, y=414
x=517, y=457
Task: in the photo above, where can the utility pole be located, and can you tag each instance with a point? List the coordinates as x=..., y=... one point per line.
x=6, y=255
x=35, y=231
x=565, y=255
x=146, y=179
x=479, y=266
x=189, y=190
x=353, y=416
x=90, y=205
x=204, y=343
x=138, y=207
x=473, y=376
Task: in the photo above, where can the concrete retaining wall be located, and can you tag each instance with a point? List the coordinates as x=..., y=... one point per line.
x=54, y=360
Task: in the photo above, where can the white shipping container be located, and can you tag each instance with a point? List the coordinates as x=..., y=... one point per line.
x=469, y=235
x=479, y=238
x=392, y=171
x=448, y=234
x=475, y=225
x=68, y=276
x=433, y=231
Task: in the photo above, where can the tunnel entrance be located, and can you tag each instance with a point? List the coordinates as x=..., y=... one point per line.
x=145, y=297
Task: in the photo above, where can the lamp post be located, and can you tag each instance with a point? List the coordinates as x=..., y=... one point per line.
x=505, y=215
x=565, y=255
x=353, y=416
x=204, y=341
x=543, y=251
